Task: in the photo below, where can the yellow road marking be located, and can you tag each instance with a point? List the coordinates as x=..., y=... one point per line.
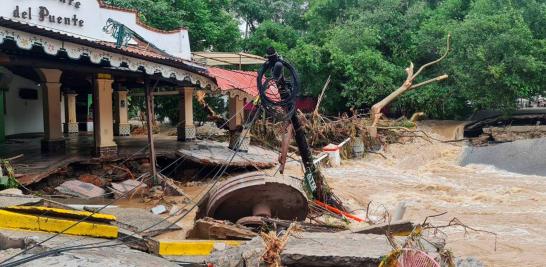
x=15, y=220
x=61, y=212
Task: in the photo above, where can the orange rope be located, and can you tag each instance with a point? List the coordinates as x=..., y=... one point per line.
x=337, y=211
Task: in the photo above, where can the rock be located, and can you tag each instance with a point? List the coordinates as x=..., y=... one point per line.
x=80, y=189
x=335, y=250
x=12, y=191
x=92, y=179
x=160, y=209
x=128, y=188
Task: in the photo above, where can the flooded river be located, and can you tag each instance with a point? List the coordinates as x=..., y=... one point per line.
x=429, y=179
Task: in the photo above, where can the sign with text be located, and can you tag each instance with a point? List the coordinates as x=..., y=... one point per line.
x=42, y=14
x=86, y=19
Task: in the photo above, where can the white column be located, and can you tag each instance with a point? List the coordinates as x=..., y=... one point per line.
x=121, y=114
x=236, y=125
x=104, y=123
x=71, y=122
x=186, y=127
x=53, y=139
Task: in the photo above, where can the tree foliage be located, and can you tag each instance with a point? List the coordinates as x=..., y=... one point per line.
x=498, y=51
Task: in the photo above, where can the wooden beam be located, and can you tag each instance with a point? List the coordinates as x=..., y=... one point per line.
x=150, y=117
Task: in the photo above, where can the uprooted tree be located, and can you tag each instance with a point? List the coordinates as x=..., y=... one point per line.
x=408, y=85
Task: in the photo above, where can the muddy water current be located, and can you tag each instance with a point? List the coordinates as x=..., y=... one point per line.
x=428, y=178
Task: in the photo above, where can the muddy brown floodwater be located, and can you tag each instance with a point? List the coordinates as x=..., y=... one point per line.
x=427, y=177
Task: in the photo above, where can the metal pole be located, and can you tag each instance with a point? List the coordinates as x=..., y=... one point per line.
x=150, y=117
x=306, y=154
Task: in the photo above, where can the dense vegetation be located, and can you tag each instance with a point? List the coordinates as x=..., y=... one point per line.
x=498, y=50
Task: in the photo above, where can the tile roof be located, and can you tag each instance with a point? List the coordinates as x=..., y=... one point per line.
x=235, y=80
x=227, y=80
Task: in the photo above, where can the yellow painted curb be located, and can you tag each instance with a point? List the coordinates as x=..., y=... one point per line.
x=61, y=212
x=192, y=247
x=15, y=220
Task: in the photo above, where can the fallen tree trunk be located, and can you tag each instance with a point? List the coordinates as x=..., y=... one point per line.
x=408, y=85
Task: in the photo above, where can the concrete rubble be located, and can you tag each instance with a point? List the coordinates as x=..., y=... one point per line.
x=80, y=189
x=128, y=188
x=335, y=250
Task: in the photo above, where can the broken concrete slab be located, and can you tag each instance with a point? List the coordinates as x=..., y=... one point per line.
x=18, y=200
x=115, y=256
x=209, y=228
x=139, y=220
x=80, y=189
x=335, y=250
x=128, y=188
x=213, y=153
x=521, y=156
x=513, y=133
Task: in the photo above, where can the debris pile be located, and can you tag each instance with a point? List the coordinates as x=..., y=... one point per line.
x=324, y=131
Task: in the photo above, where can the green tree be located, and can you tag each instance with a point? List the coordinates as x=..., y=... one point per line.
x=498, y=51
x=495, y=58
x=272, y=34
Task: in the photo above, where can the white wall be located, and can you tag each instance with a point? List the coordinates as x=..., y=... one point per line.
x=23, y=116
x=94, y=19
